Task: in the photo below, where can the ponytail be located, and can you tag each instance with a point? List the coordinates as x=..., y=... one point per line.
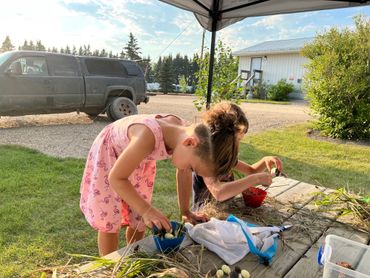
x=225, y=121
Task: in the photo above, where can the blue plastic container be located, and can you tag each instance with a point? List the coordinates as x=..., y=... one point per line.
x=167, y=245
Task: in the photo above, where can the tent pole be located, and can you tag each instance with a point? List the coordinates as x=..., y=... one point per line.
x=210, y=72
x=212, y=52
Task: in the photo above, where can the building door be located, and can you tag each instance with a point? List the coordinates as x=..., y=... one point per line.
x=256, y=63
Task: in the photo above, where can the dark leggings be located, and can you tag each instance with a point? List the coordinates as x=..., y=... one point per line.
x=201, y=194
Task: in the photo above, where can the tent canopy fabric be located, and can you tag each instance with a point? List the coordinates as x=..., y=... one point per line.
x=228, y=12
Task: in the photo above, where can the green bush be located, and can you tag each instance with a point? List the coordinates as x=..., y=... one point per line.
x=225, y=77
x=280, y=90
x=337, y=80
x=260, y=90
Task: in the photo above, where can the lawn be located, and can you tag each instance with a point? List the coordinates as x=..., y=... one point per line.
x=39, y=195
x=265, y=101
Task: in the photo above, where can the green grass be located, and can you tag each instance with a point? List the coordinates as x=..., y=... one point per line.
x=318, y=162
x=266, y=101
x=39, y=195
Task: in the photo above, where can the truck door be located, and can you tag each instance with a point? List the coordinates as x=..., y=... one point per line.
x=67, y=80
x=26, y=85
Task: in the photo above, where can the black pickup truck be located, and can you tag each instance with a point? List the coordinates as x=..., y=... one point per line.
x=33, y=82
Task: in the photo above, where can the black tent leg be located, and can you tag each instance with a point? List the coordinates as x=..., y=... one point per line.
x=210, y=72
x=215, y=17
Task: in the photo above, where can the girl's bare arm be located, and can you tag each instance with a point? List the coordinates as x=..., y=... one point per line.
x=266, y=162
x=141, y=145
x=184, y=189
x=223, y=191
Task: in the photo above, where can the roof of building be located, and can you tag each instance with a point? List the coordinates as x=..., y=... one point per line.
x=279, y=46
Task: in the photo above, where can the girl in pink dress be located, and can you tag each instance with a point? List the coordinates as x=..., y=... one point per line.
x=117, y=185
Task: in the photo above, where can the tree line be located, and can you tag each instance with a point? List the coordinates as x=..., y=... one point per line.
x=166, y=71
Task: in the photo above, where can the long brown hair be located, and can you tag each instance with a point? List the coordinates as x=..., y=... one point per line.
x=225, y=121
x=205, y=147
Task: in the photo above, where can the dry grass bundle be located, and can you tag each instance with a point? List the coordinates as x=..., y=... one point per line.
x=345, y=203
x=137, y=264
x=270, y=213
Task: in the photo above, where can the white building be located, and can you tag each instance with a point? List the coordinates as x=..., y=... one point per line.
x=275, y=60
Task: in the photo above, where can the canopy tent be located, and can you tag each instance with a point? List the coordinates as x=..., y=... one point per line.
x=213, y=15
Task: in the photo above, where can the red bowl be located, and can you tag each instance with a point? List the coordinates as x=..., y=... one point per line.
x=253, y=197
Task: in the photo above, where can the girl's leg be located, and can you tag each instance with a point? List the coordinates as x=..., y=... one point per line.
x=133, y=235
x=107, y=242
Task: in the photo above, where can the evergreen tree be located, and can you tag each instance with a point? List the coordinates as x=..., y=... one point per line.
x=193, y=69
x=54, y=50
x=177, y=67
x=96, y=53
x=80, y=51
x=39, y=46
x=186, y=67
x=25, y=46
x=31, y=46
x=62, y=50
x=110, y=55
x=103, y=53
x=68, y=50
x=86, y=50
x=74, y=50
x=157, y=69
x=7, y=45
x=165, y=75
x=147, y=69
x=132, y=50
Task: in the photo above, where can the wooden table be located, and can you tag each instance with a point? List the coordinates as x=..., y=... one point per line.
x=297, y=251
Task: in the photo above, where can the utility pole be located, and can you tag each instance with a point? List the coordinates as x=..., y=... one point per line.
x=202, y=47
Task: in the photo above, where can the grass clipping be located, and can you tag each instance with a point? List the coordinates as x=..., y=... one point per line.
x=271, y=212
x=346, y=203
x=137, y=264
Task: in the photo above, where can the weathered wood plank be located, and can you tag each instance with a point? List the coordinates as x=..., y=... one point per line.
x=283, y=206
x=280, y=185
x=300, y=195
x=307, y=228
x=308, y=263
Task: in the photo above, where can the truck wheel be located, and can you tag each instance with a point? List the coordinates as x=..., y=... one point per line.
x=121, y=107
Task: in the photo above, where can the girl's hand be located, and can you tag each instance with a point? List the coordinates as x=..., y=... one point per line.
x=271, y=161
x=153, y=217
x=264, y=179
x=194, y=218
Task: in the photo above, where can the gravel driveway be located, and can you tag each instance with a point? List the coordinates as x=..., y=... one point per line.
x=71, y=134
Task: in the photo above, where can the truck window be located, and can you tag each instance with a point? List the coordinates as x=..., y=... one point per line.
x=29, y=66
x=4, y=57
x=132, y=68
x=102, y=67
x=63, y=66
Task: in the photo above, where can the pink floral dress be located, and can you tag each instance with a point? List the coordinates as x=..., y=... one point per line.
x=103, y=208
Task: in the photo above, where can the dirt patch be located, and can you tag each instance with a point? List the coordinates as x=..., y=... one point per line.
x=71, y=134
x=43, y=120
x=316, y=135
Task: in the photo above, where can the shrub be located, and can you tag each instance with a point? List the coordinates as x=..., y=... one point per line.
x=225, y=73
x=337, y=80
x=260, y=90
x=280, y=90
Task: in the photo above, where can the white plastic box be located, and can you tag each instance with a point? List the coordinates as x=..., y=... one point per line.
x=339, y=250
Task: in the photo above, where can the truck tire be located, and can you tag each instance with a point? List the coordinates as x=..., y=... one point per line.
x=121, y=107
